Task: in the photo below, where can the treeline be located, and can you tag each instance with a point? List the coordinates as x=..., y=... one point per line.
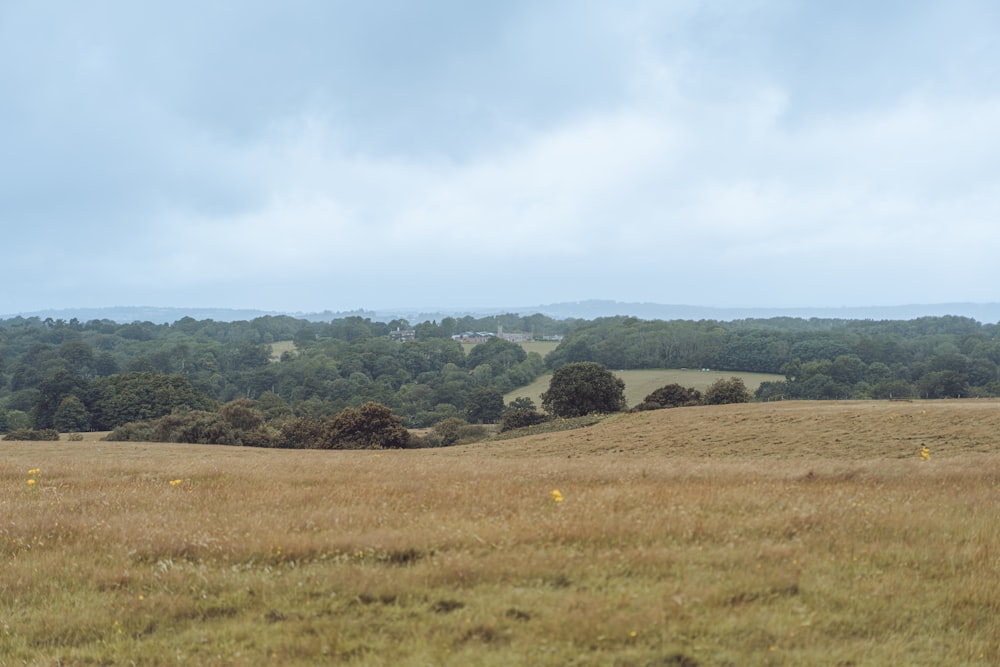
x=931, y=357
x=98, y=375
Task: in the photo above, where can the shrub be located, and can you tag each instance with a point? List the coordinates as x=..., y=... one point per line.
x=453, y=431
x=242, y=415
x=302, y=433
x=670, y=396
x=722, y=392
x=133, y=432
x=583, y=388
x=372, y=426
x=513, y=419
x=33, y=434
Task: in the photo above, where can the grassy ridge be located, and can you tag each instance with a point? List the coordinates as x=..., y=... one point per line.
x=797, y=533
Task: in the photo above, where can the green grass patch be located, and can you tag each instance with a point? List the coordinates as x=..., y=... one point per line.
x=278, y=348
x=542, y=347
x=641, y=383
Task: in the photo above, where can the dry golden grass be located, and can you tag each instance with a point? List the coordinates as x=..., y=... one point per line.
x=781, y=534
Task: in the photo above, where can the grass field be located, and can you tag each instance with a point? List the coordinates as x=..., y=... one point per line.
x=641, y=383
x=762, y=534
x=278, y=348
x=542, y=347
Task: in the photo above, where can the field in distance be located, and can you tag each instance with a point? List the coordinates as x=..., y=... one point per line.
x=542, y=347
x=641, y=383
x=760, y=534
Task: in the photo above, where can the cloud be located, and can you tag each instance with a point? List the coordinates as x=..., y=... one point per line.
x=701, y=152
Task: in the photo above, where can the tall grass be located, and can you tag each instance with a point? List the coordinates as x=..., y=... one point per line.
x=462, y=556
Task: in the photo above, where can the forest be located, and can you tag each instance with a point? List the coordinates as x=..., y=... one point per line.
x=99, y=375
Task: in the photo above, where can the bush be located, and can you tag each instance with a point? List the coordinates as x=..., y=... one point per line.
x=584, y=388
x=133, y=432
x=670, y=396
x=33, y=434
x=513, y=419
x=722, y=392
x=302, y=433
x=453, y=431
x=197, y=427
x=372, y=426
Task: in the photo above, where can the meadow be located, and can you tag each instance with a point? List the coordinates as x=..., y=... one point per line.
x=641, y=383
x=853, y=533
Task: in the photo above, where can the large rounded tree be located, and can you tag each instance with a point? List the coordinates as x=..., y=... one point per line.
x=583, y=388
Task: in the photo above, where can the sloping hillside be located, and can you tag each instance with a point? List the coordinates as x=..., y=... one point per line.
x=793, y=429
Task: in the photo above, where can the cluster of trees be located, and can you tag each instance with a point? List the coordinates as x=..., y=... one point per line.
x=930, y=357
x=98, y=375
x=243, y=422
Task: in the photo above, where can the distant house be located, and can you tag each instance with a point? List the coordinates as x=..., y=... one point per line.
x=517, y=337
x=402, y=335
x=473, y=336
x=483, y=336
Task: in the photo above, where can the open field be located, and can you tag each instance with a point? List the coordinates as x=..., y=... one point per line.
x=763, y=534
x=641, y=383
x=542, y=347
x=279, y=347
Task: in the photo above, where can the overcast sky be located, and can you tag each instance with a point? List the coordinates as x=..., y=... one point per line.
x=314, y=154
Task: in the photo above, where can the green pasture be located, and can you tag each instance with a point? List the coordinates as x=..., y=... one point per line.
x=641, y=383
x=542, y=347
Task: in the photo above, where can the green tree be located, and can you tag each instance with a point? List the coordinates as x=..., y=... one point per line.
x=733, y=390
x=583, y=388
x=500, y=354
x=522, y=403
x=521, y=418
x=129, y=397
x=242, y=414
x=51, y=392
x=670, y=396
x=372, y=426
x=71, y=415
x=484, y=405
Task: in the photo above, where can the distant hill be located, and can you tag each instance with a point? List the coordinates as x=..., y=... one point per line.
x=586, y=310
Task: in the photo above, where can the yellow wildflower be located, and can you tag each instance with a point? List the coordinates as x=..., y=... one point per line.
x=34, y=471
x=925, y=453
x=556, y=496
x=175, y=482
x=31, y=482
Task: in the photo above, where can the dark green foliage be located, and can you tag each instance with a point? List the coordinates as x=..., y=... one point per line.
x=72, y=415
x=484, y=405
x=50, y=368
x=498, y=353
x=453, y=431
x=33, y=434
x=670, y=396
x=242, y=415
x=302, y=433
x=522, y=403
x=521, y=418
x=722, y=392
x=196, y=426
x=128, y=397
x=372, y=426
x=583, y=388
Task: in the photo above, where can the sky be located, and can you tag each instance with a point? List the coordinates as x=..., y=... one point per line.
x=312, y=155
